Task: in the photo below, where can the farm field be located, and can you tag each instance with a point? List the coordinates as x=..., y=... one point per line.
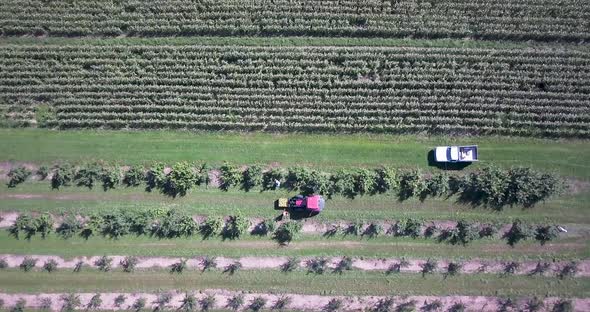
x=150, y=152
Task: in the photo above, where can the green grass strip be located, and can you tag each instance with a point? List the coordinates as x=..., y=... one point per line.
x=349, y=283
x=380, y=247
x=567, y=157
x=38, y=196
x=287, y=41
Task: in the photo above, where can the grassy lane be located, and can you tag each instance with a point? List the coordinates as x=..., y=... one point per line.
x=288, y=41
x=566, y=209
x=568, y=157
x=381, y=247
x=350, y=283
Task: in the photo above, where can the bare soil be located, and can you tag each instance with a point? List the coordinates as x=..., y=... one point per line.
x=298, y=302
x=253, y=263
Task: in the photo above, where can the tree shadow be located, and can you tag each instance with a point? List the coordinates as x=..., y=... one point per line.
x=445, y=165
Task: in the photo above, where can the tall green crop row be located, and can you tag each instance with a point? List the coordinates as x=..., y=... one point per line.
x=492, y=20
x=312, y=89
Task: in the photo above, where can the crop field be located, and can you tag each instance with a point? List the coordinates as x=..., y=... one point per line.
x=338, y=89
x=151, y=153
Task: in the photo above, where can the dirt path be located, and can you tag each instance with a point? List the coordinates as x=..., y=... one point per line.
x=253, y=263
x=297, y=302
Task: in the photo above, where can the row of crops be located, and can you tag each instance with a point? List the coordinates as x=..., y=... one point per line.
x=544, y=20
x=393, y=90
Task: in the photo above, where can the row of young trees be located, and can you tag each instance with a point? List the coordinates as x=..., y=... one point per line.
x=317, y=266
x=162, y=223
x=159, y=223
x=489, y=186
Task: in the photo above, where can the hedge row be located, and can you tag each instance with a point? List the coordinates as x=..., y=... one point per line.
x=490, y=186
x=163, y=223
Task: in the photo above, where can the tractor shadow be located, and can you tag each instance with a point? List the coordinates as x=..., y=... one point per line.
x=445, y=166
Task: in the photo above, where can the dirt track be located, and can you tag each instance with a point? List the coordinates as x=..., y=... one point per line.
x=255, y=263
x=298, y=302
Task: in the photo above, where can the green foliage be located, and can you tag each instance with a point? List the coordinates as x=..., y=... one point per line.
x=534, y=304
x=434, y=305
x=282, y=303
x=50, y=265
x=333, y=305
x=139, y=304
x=208, y=263
x=540, y=268
x=354, y=228
x=211, y=227
x=317, y=265
x=463, y=233
x=345, y=264
x=18, y=175
x=528, y=187
x=19, y=306
x=409, y=306
x=189, y=303
x=383, y=305
x=70, y=302
x=110, y=177
x=94, y=302
x=232, y=268
x=235, y=227
x=343, y=182
x=174, y=224
x=119, y=300
x=63, y=175
x=103, y=263
x=269, y=177
x=428, y=267
x=88, y=174
x=265, y=227
x=296, y=177
x=453, y=269
x=30, y=226
x=408, y=227
x=155, y=177
x=411, y=184
x=28, y=264
x=373, y=230
x=78, y=266
x=23, y=224
x=290, y=265
x=518, y=232
x=252, y=177
x=257, y=304
x=387, y=180
x=568, y=270
x=457, y=307
x=230, y=176
x=438, y=185
x=546, y=233
x=207, y=302
x=180, y=180
x=42, y=172
x=3, y=264
x=44, y=115
x=563, y=306
x=287, y=231
x=234, y=303
x=364, y=182
x=128, y=264
x=510, y=268
x=45, y=303
x=162, y=300
x=178, y=267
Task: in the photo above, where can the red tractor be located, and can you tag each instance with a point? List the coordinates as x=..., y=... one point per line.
x=313, y=204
